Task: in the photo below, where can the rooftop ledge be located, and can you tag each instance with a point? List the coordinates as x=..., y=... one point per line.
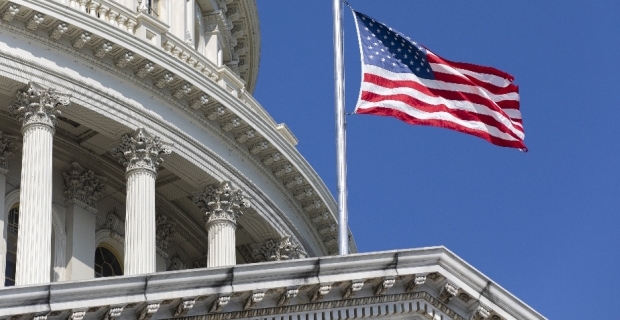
x=381, y=283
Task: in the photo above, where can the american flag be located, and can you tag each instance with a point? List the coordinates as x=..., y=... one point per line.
x=407, y=81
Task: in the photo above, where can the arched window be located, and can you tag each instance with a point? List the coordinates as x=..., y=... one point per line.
x=107, y=263
x=11, y=246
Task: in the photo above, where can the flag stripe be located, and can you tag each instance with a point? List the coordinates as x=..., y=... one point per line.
x=471, y=67
x=454, y=75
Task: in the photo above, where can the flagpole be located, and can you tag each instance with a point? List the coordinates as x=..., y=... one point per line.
x=341, y=153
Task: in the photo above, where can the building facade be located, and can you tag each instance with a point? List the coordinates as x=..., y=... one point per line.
x=142, y=180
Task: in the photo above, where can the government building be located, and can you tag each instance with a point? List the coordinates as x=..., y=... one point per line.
x=142, y=180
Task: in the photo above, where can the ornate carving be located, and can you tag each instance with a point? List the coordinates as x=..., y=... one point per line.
x=246, y=135
x=448, y=292
x=149, y=311
x=277, y=250
x=220, y=303
x=184, y=307
x=103, y=49
x=81, y=40
x=233, y=123
x=38, y=105
x=313, y=205
x=253, y=300
x=320, y=293
x=283, y=170
x=11, y=11
x=123, y=59
x=164, y=79
x=176, y=264
x=320, y=217
x=464, y=296
x=292, y=183
x=34, y=22
x=8, y=145
x=384, y=286
x=116, y=226
x=143, y=6
x=287, y=296
x=221, y=202
x=58, y=31
x=164, y=234
x=481, y=312
x=141, y=150
x=327, y=229
x=215, y=113
x=184, y=89
x=303, y=194
x=82, y=185
x=260, y=146
x=417, y=281
x=199, y=102
x=144, y=69
x=78, y=315
x=274, y=157
x=352, y=289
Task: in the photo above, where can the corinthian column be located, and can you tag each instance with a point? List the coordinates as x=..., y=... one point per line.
x=141, y=154
x=222, y=206
x=36, y=109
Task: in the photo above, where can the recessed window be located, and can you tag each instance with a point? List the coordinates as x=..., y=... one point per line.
x=107, y=263
x=11, y=243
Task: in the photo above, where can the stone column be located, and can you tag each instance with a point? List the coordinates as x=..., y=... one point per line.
x=222, y=206
x=8, y=145
x=36, y=109
x=141, y=154
x=82, y=191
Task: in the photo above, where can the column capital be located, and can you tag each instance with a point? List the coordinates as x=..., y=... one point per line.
x=221, y=202
x=141, y=150
x=38, y=106
x=276, y=250
x=83, y=187
x=8, y=145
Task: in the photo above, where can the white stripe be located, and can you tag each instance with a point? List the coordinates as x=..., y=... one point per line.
x=488, y=78
x=443, y=116
x=450, y=104
x=442, y=85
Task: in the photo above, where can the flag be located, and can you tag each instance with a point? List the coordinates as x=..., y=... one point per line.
x=407, y=81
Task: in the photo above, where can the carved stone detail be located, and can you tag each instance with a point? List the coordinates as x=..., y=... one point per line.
x=144, y=69
x=481, y=312
x=114, y=313
x=148, y=311
x=176, y=264
x=164, y=80
x=38, y=105
x=303, y=194
x=11, y=11
x=253, y=300
x=219, y=304
x=277, y=250
x=215, y=113
x=313, y=205
x=78, y=315
x=320, y=293
x=123, y=59
x=58, y=31
x=81, y=40
x=283, y=170
x=384, y=286
x=164, y=234
x=233, y=123
x=141, y=150
x=417, y=281
x=274, y=157
x=260, y=146
x=83, y=187
x=246, y=135
x=294, y=182
x=448, y=292
x=287, y=296
x=320, y=217
x=8, y=145
x=184, y=307
x=103, y=49
x=352, y=289
x=221, y=202
x=199, y=102
x=183, y=90
x=34, y=22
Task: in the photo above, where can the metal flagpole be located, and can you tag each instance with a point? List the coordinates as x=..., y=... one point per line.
x=341, y=154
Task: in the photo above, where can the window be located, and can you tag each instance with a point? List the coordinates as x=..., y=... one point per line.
x=107, y=263
x=11, y=243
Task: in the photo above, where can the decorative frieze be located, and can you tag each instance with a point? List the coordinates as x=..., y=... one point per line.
x=8, y=145
x=199, y=102
x=123, y=59
x=231, y=124
x=182, y=90
x=82, y=39
x=354, y=287
x=83, y=187
x=317, y=218
x=215, y=112
x=219, y=303
x=448, y=292
x=286, y=297
x=34, y=22
x=149, y=311
x=283, y=170
x=277, y=250
x=253, y=300
x=313, y=205
x=38, y=105
x=304, y=193
x=184, y=307
x=294, y=182
x=78, y=315
x=327, y=229
x=260, y=146
x=246, y=135
x=320, y=293
x=274, y=157
x=141, y=150
x=416, y=282
x=164, y=79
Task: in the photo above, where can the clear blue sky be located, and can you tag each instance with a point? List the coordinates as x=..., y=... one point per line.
x=543, y=224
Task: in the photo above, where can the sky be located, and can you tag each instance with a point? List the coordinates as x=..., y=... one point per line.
x=543, y=224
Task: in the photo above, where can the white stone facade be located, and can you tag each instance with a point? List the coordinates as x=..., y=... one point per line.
x=131, y=145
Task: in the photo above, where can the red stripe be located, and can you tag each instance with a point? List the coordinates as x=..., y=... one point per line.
x=447, y=94
x=469, y=80
x=429, y=108
x=432, y=57
x=443, y=124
